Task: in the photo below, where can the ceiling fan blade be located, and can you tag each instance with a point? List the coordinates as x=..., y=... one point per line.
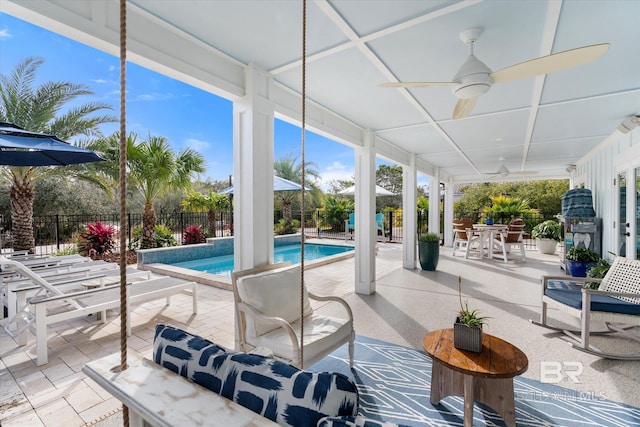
x=417, y=84
x=464, y=107
x=549, y=64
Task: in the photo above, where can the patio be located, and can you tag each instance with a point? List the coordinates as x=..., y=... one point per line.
x=407, y=304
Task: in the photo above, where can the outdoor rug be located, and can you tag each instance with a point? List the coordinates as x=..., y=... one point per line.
x=394, y=384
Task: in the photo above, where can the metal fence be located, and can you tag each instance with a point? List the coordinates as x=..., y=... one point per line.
x=56, y=233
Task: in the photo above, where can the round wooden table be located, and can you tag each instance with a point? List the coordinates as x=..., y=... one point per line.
x=486, y=376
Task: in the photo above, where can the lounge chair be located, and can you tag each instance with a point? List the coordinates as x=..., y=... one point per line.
x=616, y=303
x=51, y=305
x=350, y=225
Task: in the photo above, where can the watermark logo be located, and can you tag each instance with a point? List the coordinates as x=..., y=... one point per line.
x=552, y=372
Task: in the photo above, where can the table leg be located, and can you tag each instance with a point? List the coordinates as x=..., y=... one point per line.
x=490, y=245
x=444, y=382
x=468, y=400
x=496, y=393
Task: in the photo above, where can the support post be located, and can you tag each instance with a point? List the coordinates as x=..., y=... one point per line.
x=409, y=213
x=365, y=227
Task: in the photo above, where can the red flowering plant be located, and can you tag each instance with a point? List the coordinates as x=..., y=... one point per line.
x=96, y=239
x=192, y=235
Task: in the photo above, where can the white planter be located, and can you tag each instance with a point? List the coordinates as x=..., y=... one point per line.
x=546, y=246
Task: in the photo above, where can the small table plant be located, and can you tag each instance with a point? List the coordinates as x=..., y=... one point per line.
x=467, y=330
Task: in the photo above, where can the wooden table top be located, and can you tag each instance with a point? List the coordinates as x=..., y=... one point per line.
x=498, y=358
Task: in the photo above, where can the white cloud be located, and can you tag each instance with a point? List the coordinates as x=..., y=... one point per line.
x=197, y=144
x=335, y=171
x=112, y=67
x=5, y=34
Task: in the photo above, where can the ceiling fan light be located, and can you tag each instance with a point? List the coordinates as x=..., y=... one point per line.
x=473, y=77
x=472, y=90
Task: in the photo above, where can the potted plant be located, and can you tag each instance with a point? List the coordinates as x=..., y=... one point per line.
x=429, y=250
x=579, y=260
x=598, y=271
x=467, y=330
x=547, y=235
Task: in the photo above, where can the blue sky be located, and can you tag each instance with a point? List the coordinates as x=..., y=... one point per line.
x=159, y=105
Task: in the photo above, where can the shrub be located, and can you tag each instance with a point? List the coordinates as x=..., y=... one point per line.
x=163, y=237
x=69, y=250
x=192, y=235
x=547, y=230
x=97, y=239
x=429, y=237
x=285, y=227
x=581, y=254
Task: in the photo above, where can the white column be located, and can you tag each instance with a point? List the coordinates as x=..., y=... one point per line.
x=409, y=217
x=253, y=118
x=365, y=201
x=434, y=203
x=448, y=214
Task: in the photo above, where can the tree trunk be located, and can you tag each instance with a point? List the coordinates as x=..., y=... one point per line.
x=148, y=227
x=21, y=195
x=211, y=215
x=286, y=210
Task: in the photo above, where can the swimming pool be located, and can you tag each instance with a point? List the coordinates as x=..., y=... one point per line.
x=223, y=265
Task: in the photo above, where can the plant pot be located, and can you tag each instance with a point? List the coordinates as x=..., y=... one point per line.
x=428, y=254
x=578, y=268
x=546, y=246
x=467, y=338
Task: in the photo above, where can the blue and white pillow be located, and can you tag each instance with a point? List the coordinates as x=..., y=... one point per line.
x=189, y=355
x=267, y=386
x=286, y=394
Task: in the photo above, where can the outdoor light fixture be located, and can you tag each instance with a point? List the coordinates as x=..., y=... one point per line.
x=629, y=123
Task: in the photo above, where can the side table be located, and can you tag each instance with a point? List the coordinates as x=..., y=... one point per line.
x=485, y=377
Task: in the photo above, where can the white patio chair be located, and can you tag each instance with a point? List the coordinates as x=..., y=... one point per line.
x=464, y=236
x=267, y=309
x=506, y=240
x=616, y=303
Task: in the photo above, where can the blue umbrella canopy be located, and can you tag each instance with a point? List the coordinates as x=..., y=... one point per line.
x=279, y=184
x=20, y=147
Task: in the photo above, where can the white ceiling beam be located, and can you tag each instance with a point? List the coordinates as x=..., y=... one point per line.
x=546, y=47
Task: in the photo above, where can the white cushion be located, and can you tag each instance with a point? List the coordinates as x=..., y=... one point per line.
x=274, y=293
x=320, y=333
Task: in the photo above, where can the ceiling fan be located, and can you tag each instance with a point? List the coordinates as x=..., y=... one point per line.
x=503, y=172
x=474, y=78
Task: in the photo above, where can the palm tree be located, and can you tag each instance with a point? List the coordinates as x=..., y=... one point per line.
x=290, y=168
x=154, y=170
x=211, y=203
x=38, y=109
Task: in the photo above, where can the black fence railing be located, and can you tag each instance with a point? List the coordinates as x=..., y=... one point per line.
x=55, y=233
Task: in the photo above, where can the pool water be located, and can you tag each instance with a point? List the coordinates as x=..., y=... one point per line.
x=223, y=265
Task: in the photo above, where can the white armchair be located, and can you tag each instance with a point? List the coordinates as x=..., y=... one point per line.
x=267, y=309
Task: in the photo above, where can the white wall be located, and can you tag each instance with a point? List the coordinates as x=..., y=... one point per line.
x=597, y=171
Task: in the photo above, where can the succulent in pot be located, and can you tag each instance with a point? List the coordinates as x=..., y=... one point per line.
x=467, y=330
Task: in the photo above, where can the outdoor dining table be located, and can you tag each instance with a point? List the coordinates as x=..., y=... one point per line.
x=487, y=235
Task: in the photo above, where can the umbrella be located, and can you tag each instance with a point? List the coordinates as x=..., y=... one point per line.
x=19, y=147
x=351, y=191
x=279, y=184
